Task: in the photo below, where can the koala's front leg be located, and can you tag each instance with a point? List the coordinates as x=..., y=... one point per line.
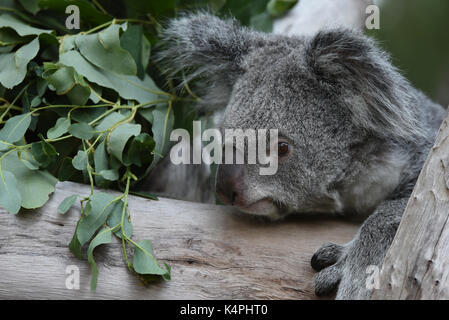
x=346, y=266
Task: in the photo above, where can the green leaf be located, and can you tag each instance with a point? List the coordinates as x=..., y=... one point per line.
x=163, y=121
x=30, y=164
x=87, y=114
x=14, y=129
x=80, y=160
x=111, y=175
x=115, y=219
x=277, y=8
x=96, y=213
x=20, y=27
x=66, y=81
x=13, y=66
x=109, y=121
x=139, y=151
x=144, y=261
x=103, y=237
x=6, y=49
x=67, y=203
x=44, y=153
x=103, y=50
x=75, y=245
x=35, y=102
x=10, y=198
x=101, y=164
x=31, y=6
x=79, y=94
x=41, y=87
x=147, y=114
x=138, y=46
x=120, y=136
x=63, y=79
x=81, y=131
x=67, y=43
x=9, y=37
x=34, y=186
x=61, y=127
x=145, y=195
x=128, y=87
x=95, y=96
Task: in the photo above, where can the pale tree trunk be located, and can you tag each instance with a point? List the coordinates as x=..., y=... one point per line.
x=417, y=263
x=311, y=16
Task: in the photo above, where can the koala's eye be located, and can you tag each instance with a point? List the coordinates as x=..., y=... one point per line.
x=283, y=149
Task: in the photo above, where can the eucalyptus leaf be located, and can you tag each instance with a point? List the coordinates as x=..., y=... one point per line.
x=144, y=261
x=61, y=127
x=111, y=175
x=15, y=128
x=81, y=130
x=277, y=8
x=13, y=66
x=128, y=87
x=120, y=136
x=104, y=51
x=30, y=164
x=44, y=153
x=79, y=94
x=63, y=79
x=100, y=207
x=75, y=246
x=67, y=203
x=163, y=121
x=134, y=41
x=23, y=29
x=10, y=198
x=115, y=219
x=9, y=37
x=31, y=6
x=101, y=164
x=139, y=151
x=80, y=160
x=109, y=121
x=35, y=186
x=104, y=236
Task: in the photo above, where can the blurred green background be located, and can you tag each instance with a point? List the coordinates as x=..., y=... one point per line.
x=416, y=33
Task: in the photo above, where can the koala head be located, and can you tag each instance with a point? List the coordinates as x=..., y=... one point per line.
x=339, y=106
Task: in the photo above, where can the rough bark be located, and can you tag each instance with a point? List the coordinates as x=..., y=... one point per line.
x=417, y=263
x=214, y=252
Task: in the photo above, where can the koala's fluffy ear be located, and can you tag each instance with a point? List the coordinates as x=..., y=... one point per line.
x=202, y=45
x=378, y=96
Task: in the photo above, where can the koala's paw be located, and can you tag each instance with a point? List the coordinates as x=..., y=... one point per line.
x=340, y=268
x=326, y=260
x=327, y=255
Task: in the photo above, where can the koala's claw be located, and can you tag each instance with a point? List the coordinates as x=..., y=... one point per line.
x=327, y=280
x=327, y=255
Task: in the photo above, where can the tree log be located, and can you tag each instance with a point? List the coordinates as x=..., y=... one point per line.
x=214, y=252
x=417, y=263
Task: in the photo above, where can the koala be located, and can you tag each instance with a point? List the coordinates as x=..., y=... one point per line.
x=353, y=132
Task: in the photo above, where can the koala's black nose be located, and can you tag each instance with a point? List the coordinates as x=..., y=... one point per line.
x=229, y=184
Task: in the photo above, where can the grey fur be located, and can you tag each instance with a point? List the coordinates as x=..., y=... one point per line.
x=360, y=131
